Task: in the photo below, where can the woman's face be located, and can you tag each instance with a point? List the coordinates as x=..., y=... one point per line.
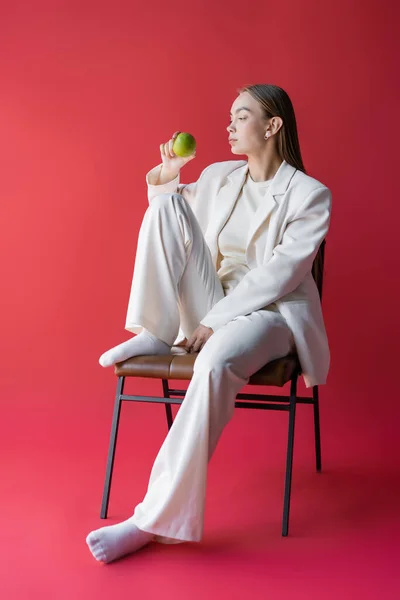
x=248, y=125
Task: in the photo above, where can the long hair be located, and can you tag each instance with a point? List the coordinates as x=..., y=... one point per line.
x=276, y=103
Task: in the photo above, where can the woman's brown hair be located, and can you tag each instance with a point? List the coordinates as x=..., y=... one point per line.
x=276, y=103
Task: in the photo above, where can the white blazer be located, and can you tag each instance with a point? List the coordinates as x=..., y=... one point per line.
x=282, y=242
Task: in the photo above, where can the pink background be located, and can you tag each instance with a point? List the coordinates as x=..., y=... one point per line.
x=88, y=91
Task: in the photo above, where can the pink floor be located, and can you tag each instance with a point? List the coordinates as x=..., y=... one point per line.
x=345, y=522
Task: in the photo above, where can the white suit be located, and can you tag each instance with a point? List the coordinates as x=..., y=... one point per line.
x=282, y=243
x=275, y=305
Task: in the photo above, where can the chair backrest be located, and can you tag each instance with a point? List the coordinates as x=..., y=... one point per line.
x=318, y=268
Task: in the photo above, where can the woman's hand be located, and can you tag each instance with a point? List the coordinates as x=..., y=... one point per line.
x=199, y=338
x=171, y=163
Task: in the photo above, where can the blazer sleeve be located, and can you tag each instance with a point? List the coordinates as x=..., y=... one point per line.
x=291, y=260
x=188, y=191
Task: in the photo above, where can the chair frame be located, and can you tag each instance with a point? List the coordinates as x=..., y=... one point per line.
x=243, y=400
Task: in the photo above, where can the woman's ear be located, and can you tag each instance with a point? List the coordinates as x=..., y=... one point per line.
x=275, y=124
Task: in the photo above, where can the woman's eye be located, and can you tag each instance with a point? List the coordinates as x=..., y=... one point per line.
x=239, y=119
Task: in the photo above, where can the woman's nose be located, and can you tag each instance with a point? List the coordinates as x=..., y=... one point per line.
x=230, y=128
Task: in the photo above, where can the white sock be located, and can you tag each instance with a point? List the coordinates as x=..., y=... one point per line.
x=112, y=542
x=143, y=344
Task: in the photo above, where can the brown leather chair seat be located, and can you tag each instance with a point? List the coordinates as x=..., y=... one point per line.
x=179, y=365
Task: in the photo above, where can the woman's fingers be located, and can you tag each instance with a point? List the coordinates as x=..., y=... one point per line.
x=171, y=152
x=199, y=338
x=166, y=148
x=197, y=346
x=170, y=143
x=190, y=343
x=190, y=347
x=198, y=343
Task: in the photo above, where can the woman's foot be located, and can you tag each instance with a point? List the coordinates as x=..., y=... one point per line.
x=143, y=344
x=112, y=542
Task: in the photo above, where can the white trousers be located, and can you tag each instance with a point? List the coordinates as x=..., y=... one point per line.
x=175, y=284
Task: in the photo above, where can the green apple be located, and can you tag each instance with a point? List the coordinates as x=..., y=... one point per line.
x=184, y=145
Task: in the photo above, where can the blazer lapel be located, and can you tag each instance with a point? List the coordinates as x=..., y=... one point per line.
x=277, y=188
x=263, y=212
x=224, y=204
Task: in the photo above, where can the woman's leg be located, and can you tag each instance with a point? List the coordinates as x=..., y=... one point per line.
x=174, y=282
x=173, y=508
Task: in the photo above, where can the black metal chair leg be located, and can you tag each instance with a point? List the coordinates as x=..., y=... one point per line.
x=289, y=457
x=317, y=428
x=111, y=450
x=168, y=408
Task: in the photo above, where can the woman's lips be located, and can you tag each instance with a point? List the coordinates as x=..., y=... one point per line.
x=231, y=141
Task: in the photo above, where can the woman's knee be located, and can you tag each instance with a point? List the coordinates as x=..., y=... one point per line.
x=163, y=201
x=210, y=360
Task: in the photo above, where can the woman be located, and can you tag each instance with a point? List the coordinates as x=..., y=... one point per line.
x=228, y=261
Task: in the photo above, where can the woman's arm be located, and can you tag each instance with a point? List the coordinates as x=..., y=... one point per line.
x=291, y=260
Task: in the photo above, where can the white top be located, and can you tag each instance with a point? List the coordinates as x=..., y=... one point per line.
x=232, y=240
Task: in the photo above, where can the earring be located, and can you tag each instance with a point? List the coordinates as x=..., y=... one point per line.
x=266, y=136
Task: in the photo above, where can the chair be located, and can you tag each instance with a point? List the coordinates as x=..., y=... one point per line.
x=180, y=366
